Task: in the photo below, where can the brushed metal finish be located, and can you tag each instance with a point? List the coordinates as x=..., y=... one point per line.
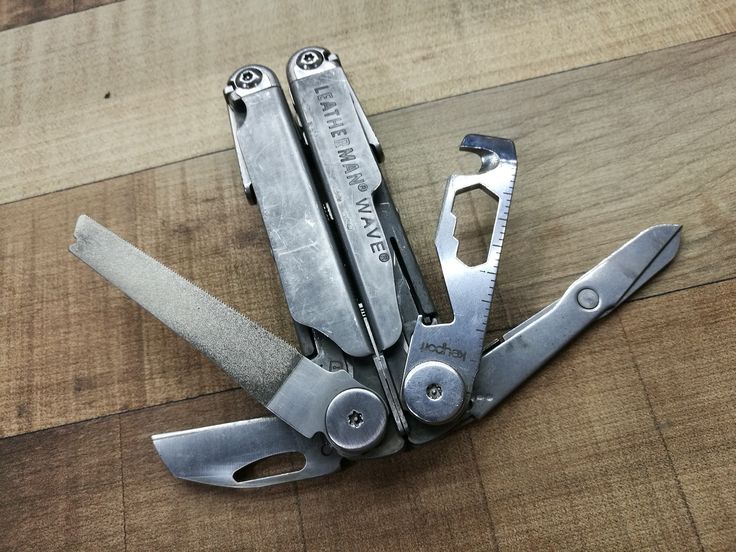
x=214, y=454
x=525, y=349
x=459, y=343
x=336, y=131
x=276, y=174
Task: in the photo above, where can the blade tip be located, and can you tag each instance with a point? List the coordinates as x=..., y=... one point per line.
x=670, y=241
x=676, y=232
x=162, y=454
x=668, y=232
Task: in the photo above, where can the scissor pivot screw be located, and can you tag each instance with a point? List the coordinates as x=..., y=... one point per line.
x=310, y=59
x=588, y=298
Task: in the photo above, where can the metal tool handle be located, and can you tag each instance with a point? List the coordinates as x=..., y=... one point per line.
x=344, y=149
x=275, y=172
x=346, y=154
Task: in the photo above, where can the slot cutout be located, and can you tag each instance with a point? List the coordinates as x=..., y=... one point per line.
x=277, y=464
x=475, y=210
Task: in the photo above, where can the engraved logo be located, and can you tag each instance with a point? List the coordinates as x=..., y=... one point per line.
x=351, y=170
x=443, y=350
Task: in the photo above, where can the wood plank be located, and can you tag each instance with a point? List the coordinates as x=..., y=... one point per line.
x=62, y=489
x=137, y=84
x=573, y=461
x=16, y=13
x=690, y=378
x=77, y=349
x=81, y=5
x=429, y=499
x=576, y=460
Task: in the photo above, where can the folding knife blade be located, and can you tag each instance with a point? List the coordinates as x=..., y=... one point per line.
x=221, y=454
x=272, y=371
x=526, y=348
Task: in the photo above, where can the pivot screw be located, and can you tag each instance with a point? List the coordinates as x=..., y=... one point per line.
x=310, y=59
x=434, y=392
x=355, y=419
x=588, y=298
x=249, y=78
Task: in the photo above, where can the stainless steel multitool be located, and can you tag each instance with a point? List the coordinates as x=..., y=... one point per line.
x=377, y=371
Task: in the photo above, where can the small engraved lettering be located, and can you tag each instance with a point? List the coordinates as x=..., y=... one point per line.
x=346, y=155
x=351, y=169
x=443, y=350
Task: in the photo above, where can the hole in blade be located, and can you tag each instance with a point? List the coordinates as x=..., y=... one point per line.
x=475, y=210
x=277, y=464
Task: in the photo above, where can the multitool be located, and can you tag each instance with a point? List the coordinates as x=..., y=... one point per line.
x=377, y=372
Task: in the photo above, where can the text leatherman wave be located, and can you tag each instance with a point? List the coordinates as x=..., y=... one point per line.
x=377, y=372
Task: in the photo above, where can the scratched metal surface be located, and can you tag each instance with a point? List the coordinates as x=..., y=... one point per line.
x=626, y=441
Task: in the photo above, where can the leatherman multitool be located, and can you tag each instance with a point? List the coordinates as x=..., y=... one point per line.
x=377, y=372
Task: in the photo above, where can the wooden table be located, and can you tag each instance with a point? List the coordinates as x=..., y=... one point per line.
x=624, y=115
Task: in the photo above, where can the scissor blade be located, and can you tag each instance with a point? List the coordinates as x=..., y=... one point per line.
x=632, y=265
x=223, y=454
x=665, y=237
x=529, y=346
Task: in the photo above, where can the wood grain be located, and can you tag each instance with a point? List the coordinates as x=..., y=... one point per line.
x=16, y=13
x=574, y=461
x=691, y=385
x=80, y=5
x=62, y=489
x=138, y=84
x=604, y=152
x=77, y=349
x=625, y=441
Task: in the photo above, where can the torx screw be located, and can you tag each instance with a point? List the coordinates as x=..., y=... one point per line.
x=249, y=78
x=434, y=392
x=588, y=298
x=355, y=419
x=310, y=59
